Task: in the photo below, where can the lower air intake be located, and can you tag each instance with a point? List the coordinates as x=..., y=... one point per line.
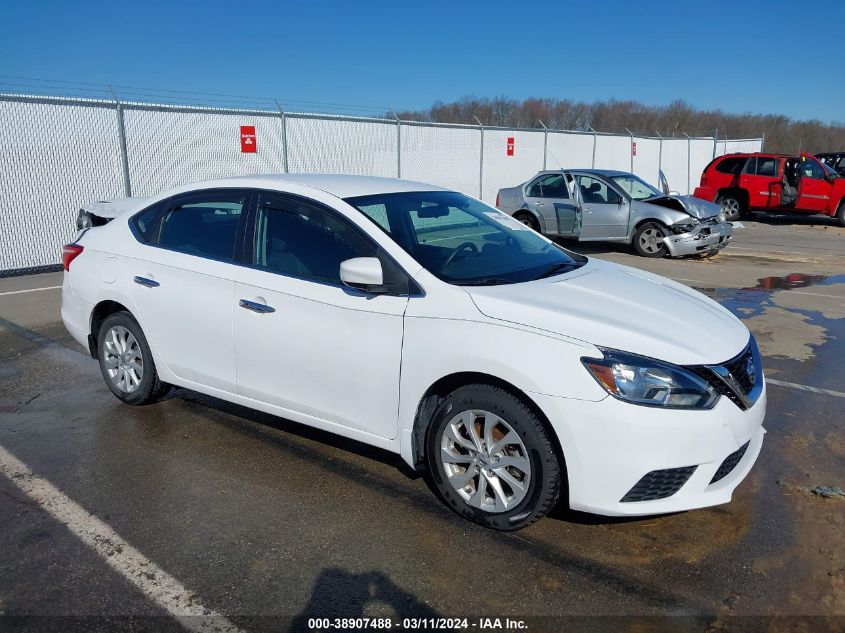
x=659, y=484
x=730, y=463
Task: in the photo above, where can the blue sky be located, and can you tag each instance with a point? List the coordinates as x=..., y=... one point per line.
x=738, y=56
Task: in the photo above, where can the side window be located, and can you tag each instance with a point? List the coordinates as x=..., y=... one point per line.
x=811, y=169
x=549, y=186
x=204, y=223
x=732, y=165
x=595, y=191
x=299, y=239
x=751, y=166
x=767, y=166
x=146, y=223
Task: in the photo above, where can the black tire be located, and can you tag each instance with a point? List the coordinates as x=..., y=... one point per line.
x=527, y=219
x=544, y=482
x=840, y=213
x=732, y=206
x=646, y=241
x=149, y=388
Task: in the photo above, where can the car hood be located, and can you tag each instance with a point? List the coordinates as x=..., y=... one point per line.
x=696, y=207
x=623, y=308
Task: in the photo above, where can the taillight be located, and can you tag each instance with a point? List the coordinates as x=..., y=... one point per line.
x=703, y=179
x=497, y=199
x=69, y=253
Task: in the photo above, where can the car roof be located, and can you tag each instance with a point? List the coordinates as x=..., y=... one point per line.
x=589, y=170
x=340, y=185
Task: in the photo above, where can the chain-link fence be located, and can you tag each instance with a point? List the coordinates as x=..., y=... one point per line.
x=56, y=154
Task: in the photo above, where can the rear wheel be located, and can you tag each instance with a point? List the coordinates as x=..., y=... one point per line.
x=731, y=206
x=126, y=361
x=649, y=240
x=527, y=219
x=840, y=213
x=491, y=459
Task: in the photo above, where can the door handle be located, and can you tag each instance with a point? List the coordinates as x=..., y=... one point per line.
x=256, y=307
x=539, y=204
x=146, y=282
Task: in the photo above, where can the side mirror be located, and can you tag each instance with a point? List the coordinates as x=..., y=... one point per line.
x=361, y=273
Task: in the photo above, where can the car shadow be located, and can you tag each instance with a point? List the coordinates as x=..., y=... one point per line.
x=793, y=219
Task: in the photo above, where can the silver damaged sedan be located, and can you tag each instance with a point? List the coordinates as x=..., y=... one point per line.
x=616, y=206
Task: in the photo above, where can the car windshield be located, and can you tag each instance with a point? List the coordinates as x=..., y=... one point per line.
x=830, y=170
x=463, y=241
x=635, y=187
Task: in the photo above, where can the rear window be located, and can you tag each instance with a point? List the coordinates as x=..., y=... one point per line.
x=731, y=165
x=767, y=166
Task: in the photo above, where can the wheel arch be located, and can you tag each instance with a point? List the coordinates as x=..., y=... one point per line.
x=738, y=192
x=540, y=220
x=447, y=384
x=100, y=313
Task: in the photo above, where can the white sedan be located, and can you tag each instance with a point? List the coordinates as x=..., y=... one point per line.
x=429, y=324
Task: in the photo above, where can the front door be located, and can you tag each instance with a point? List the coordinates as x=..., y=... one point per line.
x=548, y=195
x=814, y=195
x=305, y=342
x=605, y=210
x=183, y=280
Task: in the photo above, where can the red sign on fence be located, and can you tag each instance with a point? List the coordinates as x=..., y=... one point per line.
x=510, y=146
x=248, y=145
x=634, y=148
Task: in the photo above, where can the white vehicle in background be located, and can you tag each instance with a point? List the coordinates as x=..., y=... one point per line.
x=616, y=206
x=426, y=323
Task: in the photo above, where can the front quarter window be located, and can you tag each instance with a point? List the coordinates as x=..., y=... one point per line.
x=463, y=241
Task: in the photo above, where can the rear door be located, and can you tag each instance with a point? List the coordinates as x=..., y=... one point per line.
x=761, y=178
x=549, y=196
x=605, y=210
x=815, y=190
x=183, y=282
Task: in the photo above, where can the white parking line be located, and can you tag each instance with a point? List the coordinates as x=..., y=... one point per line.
x=156, y=584
x=795, y=385
x=18, y=292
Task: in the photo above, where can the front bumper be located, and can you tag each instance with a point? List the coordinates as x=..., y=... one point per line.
x=609, y=446
x=704, y=239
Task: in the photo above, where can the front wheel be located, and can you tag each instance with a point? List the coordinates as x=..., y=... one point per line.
x=126, y=361
x=491, y=458
x=649, y=240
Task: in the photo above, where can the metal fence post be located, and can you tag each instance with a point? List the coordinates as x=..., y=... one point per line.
x=398, y=147
x=594, y=145
x=762, y=142
x=631, y=136
x=659, y=156
x=481, y=160
x=689, y=162
x=545, y=142
x=715, y=141
x=284, y=135
x=121, y=139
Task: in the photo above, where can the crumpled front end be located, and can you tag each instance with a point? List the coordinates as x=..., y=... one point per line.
x=704, y=238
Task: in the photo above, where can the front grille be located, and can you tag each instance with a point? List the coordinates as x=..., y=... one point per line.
x=659, y=484
x=730, y=463
x=732, y=379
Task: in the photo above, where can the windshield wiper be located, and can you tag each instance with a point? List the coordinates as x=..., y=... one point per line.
x=559, y=267
x=484, y=281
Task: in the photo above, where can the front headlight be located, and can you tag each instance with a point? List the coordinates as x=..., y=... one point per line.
x=650, y=382
x=685, y=226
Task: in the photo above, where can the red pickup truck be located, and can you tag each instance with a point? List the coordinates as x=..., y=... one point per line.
x=741, y=183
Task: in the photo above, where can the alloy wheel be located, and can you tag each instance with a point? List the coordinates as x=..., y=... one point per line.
x=651, y=240
x=123, y=360
x=485, y=461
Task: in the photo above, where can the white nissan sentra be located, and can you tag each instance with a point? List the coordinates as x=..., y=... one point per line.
x=426, y=323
